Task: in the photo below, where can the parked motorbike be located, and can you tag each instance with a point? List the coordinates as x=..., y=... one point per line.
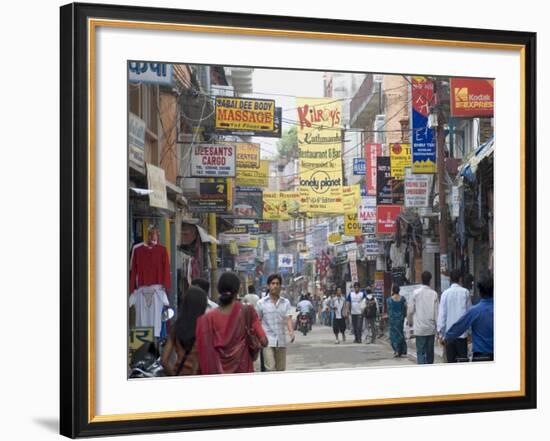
x=145, y=361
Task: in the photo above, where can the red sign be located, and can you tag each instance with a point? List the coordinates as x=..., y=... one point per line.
x=386, y=217
x=422, y=95
x=472, y=97
x=371, y=152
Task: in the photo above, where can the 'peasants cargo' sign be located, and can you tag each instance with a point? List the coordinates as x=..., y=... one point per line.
x=213, y=160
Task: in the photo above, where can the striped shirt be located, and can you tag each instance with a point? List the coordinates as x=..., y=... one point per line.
x=274, y=317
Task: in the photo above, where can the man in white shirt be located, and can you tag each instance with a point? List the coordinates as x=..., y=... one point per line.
x=305, y=307
x=337, y=304
x=354, y=299
x=275, y=314
x=455, y=301
x=422, y=313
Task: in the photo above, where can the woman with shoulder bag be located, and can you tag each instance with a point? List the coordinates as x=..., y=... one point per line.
x=229, y=337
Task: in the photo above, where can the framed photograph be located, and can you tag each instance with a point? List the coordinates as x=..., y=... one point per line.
x=355, y=200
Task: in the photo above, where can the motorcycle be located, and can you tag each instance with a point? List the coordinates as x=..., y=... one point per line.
x=303, y=323
x=145, y=361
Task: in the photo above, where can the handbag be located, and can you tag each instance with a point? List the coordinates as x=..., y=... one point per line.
x=252, y=340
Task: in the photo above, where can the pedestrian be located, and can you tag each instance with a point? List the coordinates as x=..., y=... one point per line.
x=397, y=311
x=455, y=301
x=422, y=313
x=479, y=318
x=181, y=339
x=276, y=318
x=331, y=311
x=371, y=314
x=251, y=298
x=338, y=306
x=205, y=286
x=354, y=299
x=222, y=341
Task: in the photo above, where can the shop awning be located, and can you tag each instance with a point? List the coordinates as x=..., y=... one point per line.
x=205, y=237
x=469, y=168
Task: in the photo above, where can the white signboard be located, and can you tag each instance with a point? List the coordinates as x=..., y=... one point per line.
x=157, y=183
x=136, y=139
x=455, y=202
x=352, y=257
x=213, y=160
x=371, y=245
x=417, y=189
x=286, y=261
x=367, y=210
x=150, y=73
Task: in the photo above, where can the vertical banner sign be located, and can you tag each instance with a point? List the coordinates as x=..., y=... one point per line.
x=352, y=257
x=472, y=98
x=383, y=181
x=386, y=218
x=372, y=151
x=156, y=182
x=400, y=157
x=320, y=154
x=423, y=146
x=398, y=191
x=417, y=189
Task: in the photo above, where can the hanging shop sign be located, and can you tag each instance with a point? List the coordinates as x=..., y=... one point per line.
x=136, y=139
x=455, y=201
x=280, y=205
x=156, y=182
x=233, y=247
x=212, y=160
x=367, y=210
x=334, y=237
x=352, y=227
x=400, y=158
x=265, y=227
x=383, y=181
x=370, y=245
x=248, y=155
x=472, y=97
x=352, y=257
x=351, y=196
x=423, y=145
x=286, y=260
x=372, y=151
x=369, y=228
x=257, y=177
x=417, y=189
x=249, y=116
x=212, y=198
x=386, y=218
x=398, y=191
x=248, y=204
x=359, y=166
x=150, y=73
x=320, y=154
x=270, y=242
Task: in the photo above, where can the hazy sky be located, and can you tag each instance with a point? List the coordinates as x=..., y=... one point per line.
x=283, y=86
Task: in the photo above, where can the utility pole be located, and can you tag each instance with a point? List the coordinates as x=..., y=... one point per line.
x=441, y=174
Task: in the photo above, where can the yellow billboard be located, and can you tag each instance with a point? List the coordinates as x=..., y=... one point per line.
x=400, y=158
x=351, y=196
x=244, y=114
x=280, y=205
x=253, y=177
x=320, y=155
x=352, y=226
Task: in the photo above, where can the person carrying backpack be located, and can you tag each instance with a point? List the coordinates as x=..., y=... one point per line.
x=371, y=313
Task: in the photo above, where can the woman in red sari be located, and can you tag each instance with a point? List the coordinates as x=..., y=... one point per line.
x=221, y=333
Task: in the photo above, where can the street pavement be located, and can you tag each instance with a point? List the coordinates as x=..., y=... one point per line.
x=317, y=350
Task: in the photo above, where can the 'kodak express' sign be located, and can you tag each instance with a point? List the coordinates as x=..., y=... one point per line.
x=472, y=97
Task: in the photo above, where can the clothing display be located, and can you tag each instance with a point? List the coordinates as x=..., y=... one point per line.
x=149, y=302
x=150, y=265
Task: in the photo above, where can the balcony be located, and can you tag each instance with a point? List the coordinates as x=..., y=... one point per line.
x=364, y=105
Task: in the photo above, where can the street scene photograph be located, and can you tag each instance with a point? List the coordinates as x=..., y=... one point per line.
x=291, y=220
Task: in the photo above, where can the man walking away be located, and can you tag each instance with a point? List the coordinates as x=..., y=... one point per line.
x=455, y=301
x=422, y=313
x=276, y=316
x=480, y=319
x=354, y=299
x=371, y=313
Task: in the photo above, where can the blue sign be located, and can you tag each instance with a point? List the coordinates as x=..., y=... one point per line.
x=423, y=145
x=358, y=166
x=151, y=73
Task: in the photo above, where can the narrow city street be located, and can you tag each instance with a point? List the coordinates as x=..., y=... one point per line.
x=317, y=350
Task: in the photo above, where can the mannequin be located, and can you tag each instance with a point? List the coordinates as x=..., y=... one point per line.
x=149, y=281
